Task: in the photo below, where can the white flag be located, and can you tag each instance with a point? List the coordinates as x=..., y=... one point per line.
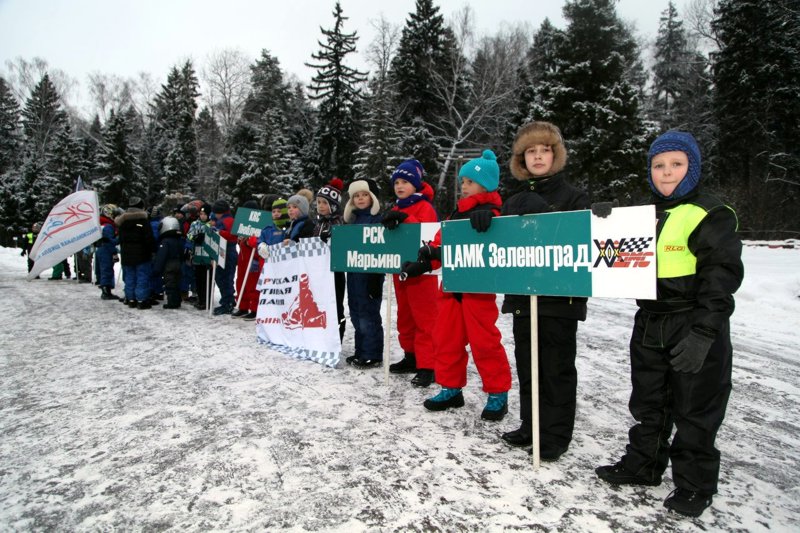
x=72, y=225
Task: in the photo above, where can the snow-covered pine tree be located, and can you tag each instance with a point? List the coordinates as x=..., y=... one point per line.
x=672, y=60
x=596, y=95
x=9, y=128
x=209, y=154
x=116, y=163
x=268, y=161
x=757, y=106
x=337, y=88
x=175, y=107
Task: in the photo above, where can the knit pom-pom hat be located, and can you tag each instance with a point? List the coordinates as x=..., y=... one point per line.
x=482, y=170
x=332, y=193
x=410, y=170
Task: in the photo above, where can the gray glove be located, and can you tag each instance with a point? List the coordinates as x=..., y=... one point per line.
x=601, y=209
x=691, y=352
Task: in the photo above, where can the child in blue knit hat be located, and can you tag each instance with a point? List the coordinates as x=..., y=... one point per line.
x=681, y=353
x=468, y=317
x=416, y=314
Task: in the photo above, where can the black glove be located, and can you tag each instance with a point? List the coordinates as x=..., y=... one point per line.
x=199, y=238
x=691, y=352
x=413, y=269
x=22, y=253
x=603, y=209
x=429, y=253
x=392, y=219
x=481, y=220
x=375, y=286
x=325, y=234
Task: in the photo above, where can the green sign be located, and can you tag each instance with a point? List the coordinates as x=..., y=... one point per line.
x=250, y=222
x=373, y=248
x=214, y=246
x=545, y=254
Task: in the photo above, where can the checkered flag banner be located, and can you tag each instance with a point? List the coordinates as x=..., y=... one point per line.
x=635, y=244
x=297, y=302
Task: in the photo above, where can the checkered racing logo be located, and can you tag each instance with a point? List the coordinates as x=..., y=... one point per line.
x=628, y=252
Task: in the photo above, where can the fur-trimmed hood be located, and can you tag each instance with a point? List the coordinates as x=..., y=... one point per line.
x=532, y=134
x=133, y=213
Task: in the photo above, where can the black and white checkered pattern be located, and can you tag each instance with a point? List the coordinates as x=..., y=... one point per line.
x=330, y=359
x=310, y=247
x=636, y=244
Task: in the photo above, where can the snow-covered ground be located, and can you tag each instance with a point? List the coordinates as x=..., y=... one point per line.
x=118, y=419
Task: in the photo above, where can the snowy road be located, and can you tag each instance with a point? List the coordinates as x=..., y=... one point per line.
x=119, y=419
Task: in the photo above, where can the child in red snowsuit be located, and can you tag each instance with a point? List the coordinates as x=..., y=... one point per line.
x=249, y=264
x=416, y=313
x=468, y=317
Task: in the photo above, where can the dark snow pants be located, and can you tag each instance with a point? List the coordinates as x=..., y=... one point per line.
x=558, y=377
x=661, y=397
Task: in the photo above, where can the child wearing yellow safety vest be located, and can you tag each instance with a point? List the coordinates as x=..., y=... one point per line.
x=680, y=347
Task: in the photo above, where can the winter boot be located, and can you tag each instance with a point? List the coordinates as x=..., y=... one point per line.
x=424, y=378
x=496, y=407
x=239, y=313
x=688, y=502
x=364, y=364
x=222, y=310
x=132, y=303
x=144, y=305
x=107, y=294
x=250, y=316
x=445, y=399
x=518, y=438
x=407, y=365
x=617, y=474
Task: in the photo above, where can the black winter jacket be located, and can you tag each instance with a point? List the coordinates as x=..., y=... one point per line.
x=136, y=240
x=708, y=293
x=543, y=195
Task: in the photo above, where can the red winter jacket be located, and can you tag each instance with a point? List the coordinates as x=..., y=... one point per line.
x=422, y=211
x=477, y=202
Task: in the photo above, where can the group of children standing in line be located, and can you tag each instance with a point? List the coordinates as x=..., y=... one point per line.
x=680, y=347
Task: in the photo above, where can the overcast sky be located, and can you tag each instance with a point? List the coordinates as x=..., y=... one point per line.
x=128, y=37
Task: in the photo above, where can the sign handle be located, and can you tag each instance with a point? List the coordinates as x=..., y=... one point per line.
x=211, y=288
x=535, y=380
x=244, y=279
x=387, y=337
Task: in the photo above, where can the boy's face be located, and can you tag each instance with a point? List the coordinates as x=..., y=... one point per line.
x=203, y=216
x=668, y=169
x=362, y=200
x=403, y=189
x=323, y=207
x=294, y=212
x=469, y=187
x=276, y=213
x=539, y=159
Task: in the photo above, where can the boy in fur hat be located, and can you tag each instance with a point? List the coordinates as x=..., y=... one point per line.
x=681, y=353
x=416, y=313
x=365, y=291
x=538, y=157
x=468, y=318
x=329, y=215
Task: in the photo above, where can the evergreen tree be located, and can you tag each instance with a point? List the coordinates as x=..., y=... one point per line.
x=672, y=60
x=209, y=154
x=336, y=88
x=595, y=94
x=176, y=106
x=375, y=157
x=9, y=128
x=42, y=119
x=268, y=162
x=756, y=79
x=116, y=163
x=425, y=47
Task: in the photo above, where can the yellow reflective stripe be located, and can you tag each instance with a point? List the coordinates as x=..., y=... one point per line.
x=674, y=259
